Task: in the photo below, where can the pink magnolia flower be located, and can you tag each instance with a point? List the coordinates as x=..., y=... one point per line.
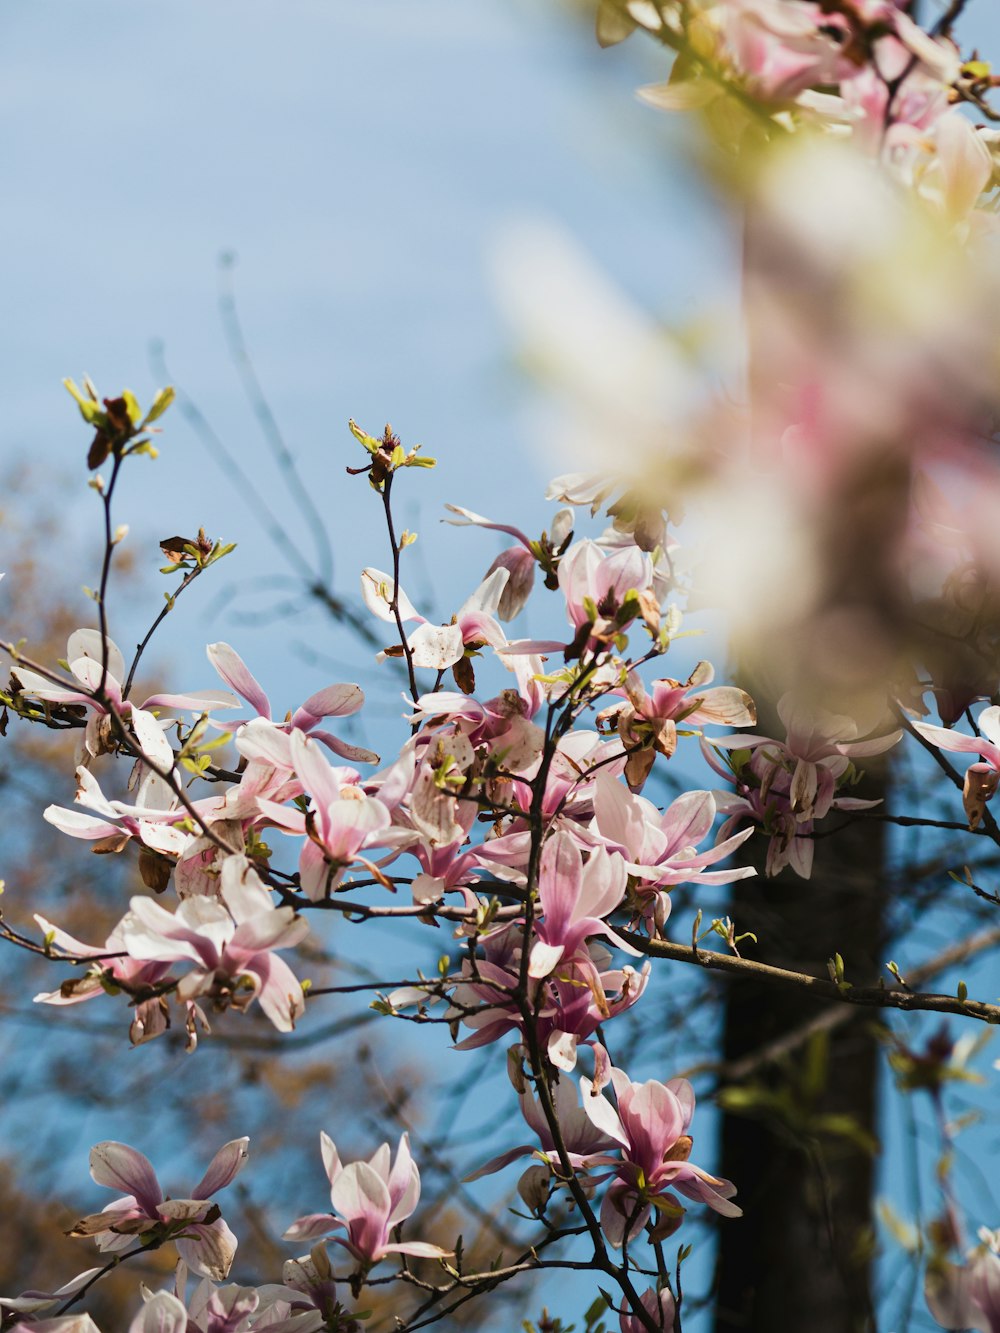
x=603, y=592
x=151, y=820
x=332, y=701
x=647, y=723
x=661, y=850
x=763, y=796
x=818, y=750
x=660, y=1308
x=581, y=1137
x=502, y=725
x=84, y=653
x=342, y=819
x=650, y=1126
x=441, y=646
x=231, y=943
x=981, y=779
x=782, y=48
x=202, y=1238
x=371, y=1199
x=150, y=1017
x=569, y=1005
x=574, y=898
x=519, y=561
x=968, y=1296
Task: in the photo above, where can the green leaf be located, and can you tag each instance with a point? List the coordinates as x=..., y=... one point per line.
x=161, y=402
x=363, y=438
x=132, y=406
x=90, y=410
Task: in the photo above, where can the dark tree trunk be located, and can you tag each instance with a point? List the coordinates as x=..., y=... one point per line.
x=800, y=1258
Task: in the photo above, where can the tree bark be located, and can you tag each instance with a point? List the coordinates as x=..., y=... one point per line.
x=802, y=1254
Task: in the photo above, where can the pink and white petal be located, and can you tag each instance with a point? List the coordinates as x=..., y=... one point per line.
x=498, y=1163
x=468, y=518
x=874, y=745
x=357, y=754
x=163, y=838
x=359, y=1192
x=152, y=934
x=332, y=701
x=420, y=1249
x=561, y=1050
x=278, y=928
x=91, y=643
x=486, y=598
x=242, y=889
x=202, y=702
x=317, y=776
x=312, y=1226
x=543, y=959
x=287, y=819
x=688, y=819
x=120, y=1167
x=560, y=881
x=235, y=672
x=602, y=1114
x=76, y=824
x=162, y=1313
x=280, y=994
x=331, y=1158
x=945, y=739
x=68, y=943
x=725, y=705
x=88, y=673
x=264, y=740
x=223, y=1169
x=41, y=688
x=404, y=1183
x=436, y=646
x=800, y=856
x=209, y=1250
x=152, y=742
x=377, y=591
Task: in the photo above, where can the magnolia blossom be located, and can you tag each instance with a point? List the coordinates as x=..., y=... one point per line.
x=332, y=701
x=230, y=943
x=206, y=1246
x=574, y=898
x=968, y=1296
x=651, y=1126
x=98, y=665
x=661, y=1308
x=604, y=593
x=661, y=849
x=440, y=646
x=647, y=722
x=151, y=819
x=570, y=1004
x=818, y=751
x=581, y=1138
x=369, y=1199
x=519, y=561
x=341, y=819
x=150, y=1017
x=980, y=779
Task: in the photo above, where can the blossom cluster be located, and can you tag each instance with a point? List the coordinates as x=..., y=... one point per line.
x=517, y=811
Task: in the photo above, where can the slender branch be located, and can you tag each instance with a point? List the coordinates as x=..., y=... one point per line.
x=878, y=997
x=168, y=606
